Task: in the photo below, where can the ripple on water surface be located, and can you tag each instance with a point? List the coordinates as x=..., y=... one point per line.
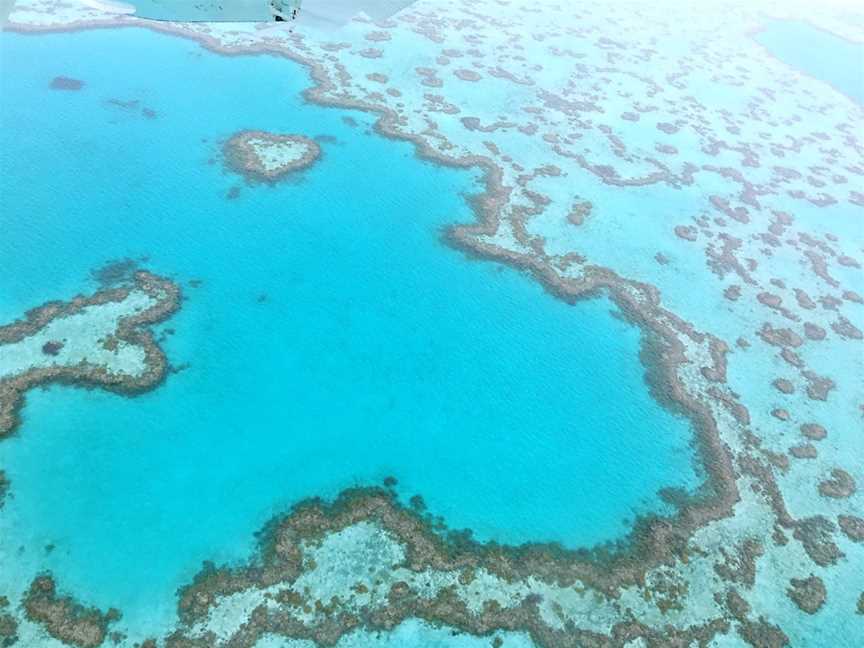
x=333, y=340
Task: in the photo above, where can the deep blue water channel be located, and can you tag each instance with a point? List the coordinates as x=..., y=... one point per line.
x=334, y=339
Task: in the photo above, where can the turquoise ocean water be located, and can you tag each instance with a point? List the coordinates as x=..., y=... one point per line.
x=818, y=53
x=334, y=339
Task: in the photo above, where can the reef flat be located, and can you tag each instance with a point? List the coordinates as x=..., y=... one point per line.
x=268, y=157
x=759, y=183
x=95, y=341
x=64, y=618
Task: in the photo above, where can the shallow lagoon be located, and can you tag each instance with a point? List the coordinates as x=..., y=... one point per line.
x=408, y=635
x=334, y=339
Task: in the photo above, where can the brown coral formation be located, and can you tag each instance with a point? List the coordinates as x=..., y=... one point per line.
x=804, y=451
x=783, y=385
x=762, y=634
x=813, y=431
x=281, y=561
x=8, y=625
x=467, y=75
x=131, y=330
x=808, y=594
x=4, y=488
x=852, y=526
x=52, y=347
x=839, y=486
x=64, y=618
x=66, y=83
x=114, y=273
x=243, y=154
x=780, y=414
x=816, y=535
x=686, y=232
x=739, y=564
x=818, y=387
x=579, y=212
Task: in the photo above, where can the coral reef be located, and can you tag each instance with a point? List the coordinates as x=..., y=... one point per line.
x=66, y=83
x=8, y=625
x=268, y=157
x=63, y=617
x=758, y=190
x=4, y=488
x=121, y=356
x=809, y=593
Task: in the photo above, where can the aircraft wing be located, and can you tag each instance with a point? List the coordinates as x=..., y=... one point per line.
x=332, y=13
